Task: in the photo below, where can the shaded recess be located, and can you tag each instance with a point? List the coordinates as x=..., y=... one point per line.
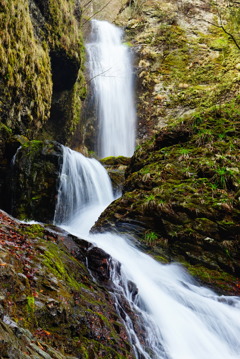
x=65, y=70
x=8, y=147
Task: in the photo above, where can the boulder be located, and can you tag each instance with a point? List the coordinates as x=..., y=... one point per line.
x=34, y=180
x=181, y=197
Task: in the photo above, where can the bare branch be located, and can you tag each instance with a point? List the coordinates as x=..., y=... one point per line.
x=85, y=5
x=221, y=26
x=231, y=36
x=104, y=6
x=100, y=74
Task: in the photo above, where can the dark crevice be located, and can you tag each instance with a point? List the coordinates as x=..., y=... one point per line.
x=64, y=71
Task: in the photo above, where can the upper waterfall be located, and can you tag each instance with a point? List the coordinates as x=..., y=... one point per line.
x=111, y=76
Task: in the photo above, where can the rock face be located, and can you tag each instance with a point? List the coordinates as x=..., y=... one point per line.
x=41, y=86
x=185, y=62
x=41, y=56
x=50, y=306
x=103, y=10
x=33, y=180
x=181, y=194
x=116, y=167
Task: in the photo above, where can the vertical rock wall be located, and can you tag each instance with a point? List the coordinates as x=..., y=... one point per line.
x=41, y=53
x=41, y=79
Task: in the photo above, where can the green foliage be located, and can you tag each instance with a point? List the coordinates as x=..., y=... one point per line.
x=151, y=197
x=30, y=304
x=150, y=238
x=55, y=260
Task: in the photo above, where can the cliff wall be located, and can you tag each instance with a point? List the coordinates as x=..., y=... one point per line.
x=41, y=82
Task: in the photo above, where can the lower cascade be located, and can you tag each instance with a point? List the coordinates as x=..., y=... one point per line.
x=84, y=191
x=180, y=319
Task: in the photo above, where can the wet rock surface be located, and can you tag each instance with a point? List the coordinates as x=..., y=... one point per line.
x=116, y=167
x=181, y=199
x=50, y=305
x=33, y=180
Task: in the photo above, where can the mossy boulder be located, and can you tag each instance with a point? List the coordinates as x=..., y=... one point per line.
x=34, y=180
x=50, y=305
x=181, y=194
x=8, y=147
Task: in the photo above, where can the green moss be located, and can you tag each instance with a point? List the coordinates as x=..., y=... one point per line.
x=25, y=67
x=25, y=48
x=32, y=146
x=217, y=280
x=30, y=304
x=161, y=259
x=64, y=27
x=4, y=128
x=115, y=161
x=78, y=94
x=54, y=259
x=33, y=231
x=218, y=44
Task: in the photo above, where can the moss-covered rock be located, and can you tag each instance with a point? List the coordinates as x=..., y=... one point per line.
x=41, y=54
x=34, y=180
x=26, y=85
x=8, y=147
x=50, y=306
x=184, y=59
x=181, y=195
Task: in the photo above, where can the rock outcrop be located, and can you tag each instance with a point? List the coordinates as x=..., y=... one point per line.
x=181, y=195
x=33, y=180
x=116, y=167
x=41, y=79
x=185, y=61
x=50, y=305
x=41, y=60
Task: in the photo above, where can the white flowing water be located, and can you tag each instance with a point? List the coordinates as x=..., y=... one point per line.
x=180, y=319
x=84, y=190
x=110, y=67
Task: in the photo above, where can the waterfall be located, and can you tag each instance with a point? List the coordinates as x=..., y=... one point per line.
x=84, y=190
x=181, y=319
x=110, y=67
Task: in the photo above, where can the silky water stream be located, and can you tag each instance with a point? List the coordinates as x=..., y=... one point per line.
x=111, y=77
x=179, y=318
